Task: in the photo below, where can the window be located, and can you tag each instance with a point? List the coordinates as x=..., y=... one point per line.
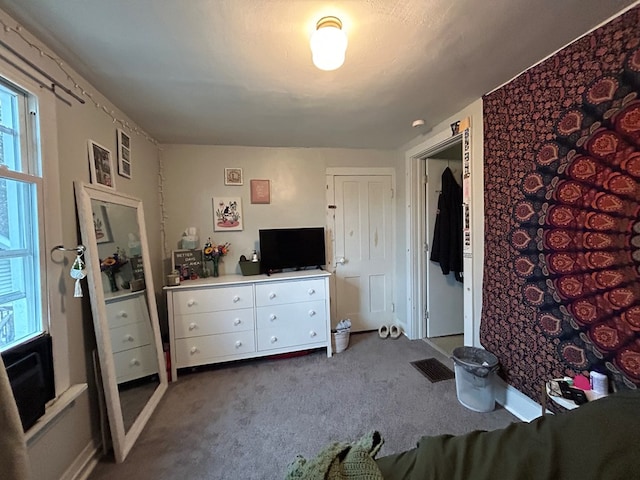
x=21, y=219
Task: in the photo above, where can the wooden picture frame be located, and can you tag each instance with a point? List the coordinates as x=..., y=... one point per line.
x=124, y=153
x=101, y=165
x=227, y=214
x=233, y=176
x=260, y=191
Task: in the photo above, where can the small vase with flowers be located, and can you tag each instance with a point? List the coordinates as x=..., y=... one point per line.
x=212, y=253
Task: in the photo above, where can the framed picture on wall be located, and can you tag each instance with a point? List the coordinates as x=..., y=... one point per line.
x=124, y=153
x=260, y=191
x=233, y=176
x=227, y=214
x=101, y=165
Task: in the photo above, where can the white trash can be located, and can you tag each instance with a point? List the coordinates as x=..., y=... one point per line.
x=341, y=340
x=475, y=376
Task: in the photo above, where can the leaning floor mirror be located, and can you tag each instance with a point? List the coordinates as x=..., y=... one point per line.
x=124, y=310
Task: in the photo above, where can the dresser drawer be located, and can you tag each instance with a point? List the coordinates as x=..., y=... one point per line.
x=135, y=363
x=304, y=333
x=130, y=336
x=126, y=311
x=207, y=349
x=290, y=315
x=212, y=299
x=211, y=323
x=276, y=293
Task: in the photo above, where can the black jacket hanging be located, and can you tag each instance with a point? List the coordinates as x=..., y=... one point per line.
x=446, y=248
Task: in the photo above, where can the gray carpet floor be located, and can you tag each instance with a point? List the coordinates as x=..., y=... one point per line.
x=248, y=420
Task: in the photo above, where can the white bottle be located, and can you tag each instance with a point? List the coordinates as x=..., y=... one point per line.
x=599, y=383
x=254, y=256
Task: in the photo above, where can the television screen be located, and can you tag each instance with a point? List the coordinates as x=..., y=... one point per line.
x=291, y=248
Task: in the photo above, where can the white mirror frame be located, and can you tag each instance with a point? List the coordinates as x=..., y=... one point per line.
x=122, y=440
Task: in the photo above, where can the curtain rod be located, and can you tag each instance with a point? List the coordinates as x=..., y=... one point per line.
x=41, y=72
x=32, y=77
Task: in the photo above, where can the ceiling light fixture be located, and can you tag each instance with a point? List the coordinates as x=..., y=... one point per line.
x=328, y=44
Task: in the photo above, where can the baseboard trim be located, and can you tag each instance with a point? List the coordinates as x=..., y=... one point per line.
x=516, y=402
x=84, y=463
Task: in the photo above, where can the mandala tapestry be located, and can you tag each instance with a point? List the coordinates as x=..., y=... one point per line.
x=562, y=214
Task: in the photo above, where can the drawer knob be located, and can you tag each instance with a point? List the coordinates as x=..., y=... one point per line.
x=272, y=317
x=274, y=339
x=128, y=338
x=237, y=321
x=193, y=326
x=312, y=313
x=272, y=295
x=236, y=299
x=191, y=303
x=311, y=291
x=134, y=362
x=312, y=333
x=193, y=350
x=123, y=314
x=238, y=344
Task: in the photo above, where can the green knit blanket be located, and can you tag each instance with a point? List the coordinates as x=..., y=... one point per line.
x=341, y=461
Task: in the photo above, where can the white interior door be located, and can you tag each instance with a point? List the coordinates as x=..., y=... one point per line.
x=445, y=306
x=364, y=250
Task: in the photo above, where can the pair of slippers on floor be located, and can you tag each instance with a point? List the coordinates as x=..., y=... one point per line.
x=393, y=331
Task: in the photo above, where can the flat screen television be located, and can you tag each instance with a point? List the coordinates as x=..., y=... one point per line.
x=291, y=248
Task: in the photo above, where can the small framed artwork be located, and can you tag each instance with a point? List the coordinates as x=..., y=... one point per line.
x=101, y=165
x=233, y=176
x=227, y=214
x=124, y=153
x=101, y=225
x=188, y=263
x=260, y=191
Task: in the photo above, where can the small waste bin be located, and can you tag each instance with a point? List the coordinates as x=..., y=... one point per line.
x=341, y=335
x=475, y=375
x=341, y=340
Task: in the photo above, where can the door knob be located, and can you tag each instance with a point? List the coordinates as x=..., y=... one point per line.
x=341, y=260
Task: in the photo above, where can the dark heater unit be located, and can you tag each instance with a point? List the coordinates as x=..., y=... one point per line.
x=30, y=371
x=27, y=383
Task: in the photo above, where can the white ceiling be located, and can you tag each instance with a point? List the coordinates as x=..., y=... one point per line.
x=239, y=72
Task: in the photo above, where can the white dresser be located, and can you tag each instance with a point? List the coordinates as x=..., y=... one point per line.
x=232, y=317
x=134, y=355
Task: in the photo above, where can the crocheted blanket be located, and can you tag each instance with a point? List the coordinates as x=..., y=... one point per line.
x=341, y=461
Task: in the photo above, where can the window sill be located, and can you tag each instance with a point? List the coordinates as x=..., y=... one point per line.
x=54, y=409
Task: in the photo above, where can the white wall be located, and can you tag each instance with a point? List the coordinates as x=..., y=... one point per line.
x=194, y=174
x=60, y=447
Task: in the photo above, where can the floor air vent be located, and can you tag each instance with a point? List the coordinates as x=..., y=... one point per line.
x=433, y=369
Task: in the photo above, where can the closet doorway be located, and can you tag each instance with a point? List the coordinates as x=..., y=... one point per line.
x=429, y=290
x=444, y=294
